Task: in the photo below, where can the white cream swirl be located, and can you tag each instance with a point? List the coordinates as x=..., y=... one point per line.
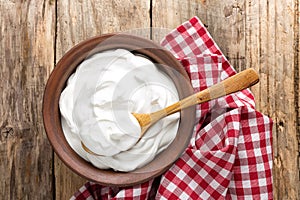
x=97, y=103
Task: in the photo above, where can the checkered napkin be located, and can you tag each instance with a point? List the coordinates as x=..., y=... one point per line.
x=230, y=154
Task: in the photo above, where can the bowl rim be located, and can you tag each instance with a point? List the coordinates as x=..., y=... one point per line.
x=51, y=114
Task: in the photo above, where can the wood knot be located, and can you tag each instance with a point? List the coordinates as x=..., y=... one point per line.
x=6, y=132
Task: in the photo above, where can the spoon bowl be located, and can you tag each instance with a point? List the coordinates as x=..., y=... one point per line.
x=235, y=83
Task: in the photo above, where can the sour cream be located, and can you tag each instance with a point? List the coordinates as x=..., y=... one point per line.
x=96, y=108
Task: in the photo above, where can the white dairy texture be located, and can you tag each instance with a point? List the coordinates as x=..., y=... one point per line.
x=96, y=108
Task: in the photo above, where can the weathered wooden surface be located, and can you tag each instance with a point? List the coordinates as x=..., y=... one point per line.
x=78, y=20
x=35, y=34
x=263, y=35
x=26, y=59
x=272, y=49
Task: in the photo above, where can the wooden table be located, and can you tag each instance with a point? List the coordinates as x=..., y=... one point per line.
x=35, y=34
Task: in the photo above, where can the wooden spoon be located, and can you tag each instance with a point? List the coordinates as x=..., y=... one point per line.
x=235, y=83
x=230, y=85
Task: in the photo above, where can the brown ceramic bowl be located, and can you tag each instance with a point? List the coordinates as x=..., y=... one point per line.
x=57, y=81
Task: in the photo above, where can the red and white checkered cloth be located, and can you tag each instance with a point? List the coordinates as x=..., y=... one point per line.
x=230, y=154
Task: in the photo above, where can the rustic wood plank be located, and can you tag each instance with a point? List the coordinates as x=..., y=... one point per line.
x=260, y=34
x=271, y=50
x=26, y=58
x=225, y=20
x=297, y=78
x=263, y=35
x=79, y=20
x=167, y=15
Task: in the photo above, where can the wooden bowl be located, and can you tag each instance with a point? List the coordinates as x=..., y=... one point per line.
x=52, y=118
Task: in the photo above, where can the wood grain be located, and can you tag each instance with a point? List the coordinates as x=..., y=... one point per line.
x=35, y=34
x=26, y=58
x=270, y=49
x=78, y=20
x=263, y=35
x=225, y=21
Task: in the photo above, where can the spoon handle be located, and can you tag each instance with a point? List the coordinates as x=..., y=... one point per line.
x=235, y=83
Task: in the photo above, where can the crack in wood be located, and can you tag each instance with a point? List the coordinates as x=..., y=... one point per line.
x=296, y=79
